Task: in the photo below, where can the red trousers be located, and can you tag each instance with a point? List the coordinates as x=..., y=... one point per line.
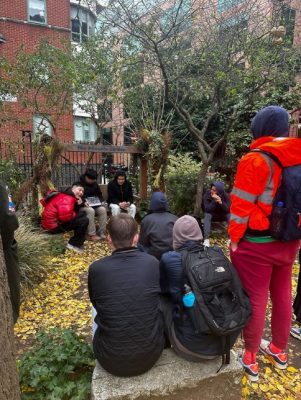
x=264, y=267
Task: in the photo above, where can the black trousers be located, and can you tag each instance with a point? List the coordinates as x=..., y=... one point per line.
x=79, y=225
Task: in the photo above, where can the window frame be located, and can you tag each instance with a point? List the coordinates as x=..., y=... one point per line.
x=35, y=125
x=88, y=123
x=45, y=13
x=85, y=16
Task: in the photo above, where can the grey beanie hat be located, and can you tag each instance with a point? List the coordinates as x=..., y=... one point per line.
x=185, y=229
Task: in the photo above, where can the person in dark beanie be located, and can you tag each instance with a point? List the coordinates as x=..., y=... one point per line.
x=179, y=326
x=8, y=225
x=155, y=235
x=124, y=289
x=93, y=199
x=264, y=264
x=216, y=205
x=120, y=195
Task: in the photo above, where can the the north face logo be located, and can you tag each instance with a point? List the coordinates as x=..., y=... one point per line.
x=220, y=269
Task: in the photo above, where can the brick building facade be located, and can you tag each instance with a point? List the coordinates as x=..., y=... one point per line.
x=25, y=23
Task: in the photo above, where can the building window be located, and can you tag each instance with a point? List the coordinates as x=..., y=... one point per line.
x=84, y=129
x=107, y=136
x=288, y=17
x=128, y=132
x=224, y=5
x=37, y=11
x=82, y=24
x=41, y=125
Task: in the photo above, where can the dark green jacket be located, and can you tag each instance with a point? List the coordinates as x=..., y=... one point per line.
x=8, y=225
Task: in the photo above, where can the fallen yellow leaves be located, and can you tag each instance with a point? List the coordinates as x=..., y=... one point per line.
x=273, y=384
x=62, y=299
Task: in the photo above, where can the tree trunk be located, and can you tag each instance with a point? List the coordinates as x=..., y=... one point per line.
x=200, y=189
x=9, y=382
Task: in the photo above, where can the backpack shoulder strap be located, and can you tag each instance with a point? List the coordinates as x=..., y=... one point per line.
x=269, y=154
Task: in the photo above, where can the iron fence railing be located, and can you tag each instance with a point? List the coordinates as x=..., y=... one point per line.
x=71, y=164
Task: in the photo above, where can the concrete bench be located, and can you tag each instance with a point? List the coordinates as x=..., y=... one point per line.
x=172, y=378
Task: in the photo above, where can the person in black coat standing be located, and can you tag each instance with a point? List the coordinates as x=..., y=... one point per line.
x=155, y=235
x=124, y=289
x=120, y=195
x=8, y=225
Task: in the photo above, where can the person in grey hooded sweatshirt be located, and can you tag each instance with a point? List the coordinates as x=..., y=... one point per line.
x=155, y=236
x=216, y=205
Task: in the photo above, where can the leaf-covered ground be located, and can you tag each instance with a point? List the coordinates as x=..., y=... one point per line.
x=62, y=301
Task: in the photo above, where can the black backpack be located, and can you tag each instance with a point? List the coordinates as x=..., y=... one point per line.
x=222, y=308
x=286, y=221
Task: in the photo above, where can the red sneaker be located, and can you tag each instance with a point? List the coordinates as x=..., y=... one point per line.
x=279, y=359
x=251, y=369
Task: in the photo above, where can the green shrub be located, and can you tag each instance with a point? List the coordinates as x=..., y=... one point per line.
x=181, y=180
x=58, y=367
x=11, y=175
x=33, y=249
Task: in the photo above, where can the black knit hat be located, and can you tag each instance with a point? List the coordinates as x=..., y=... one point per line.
x=91, y=174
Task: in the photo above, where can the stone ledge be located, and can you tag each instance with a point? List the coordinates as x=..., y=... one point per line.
x=172, y=378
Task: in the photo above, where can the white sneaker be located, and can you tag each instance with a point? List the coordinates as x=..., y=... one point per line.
x=206, y=243
x=296, y=333
x=74, y=248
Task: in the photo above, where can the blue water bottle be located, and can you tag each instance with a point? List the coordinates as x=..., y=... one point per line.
x=11, y=204
x=188, y=297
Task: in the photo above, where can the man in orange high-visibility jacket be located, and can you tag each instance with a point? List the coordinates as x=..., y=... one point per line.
x=263, y=263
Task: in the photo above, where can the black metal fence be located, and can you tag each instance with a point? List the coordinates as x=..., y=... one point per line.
x=18, y=159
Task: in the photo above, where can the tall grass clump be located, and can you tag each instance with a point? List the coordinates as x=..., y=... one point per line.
x=33, y=250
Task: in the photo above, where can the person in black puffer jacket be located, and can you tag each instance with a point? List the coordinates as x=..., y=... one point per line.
x=155, y=236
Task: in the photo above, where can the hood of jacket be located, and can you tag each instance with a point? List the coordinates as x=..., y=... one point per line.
x=287, y=150
x=158, y=202
x=270, y=121
x=220, y=187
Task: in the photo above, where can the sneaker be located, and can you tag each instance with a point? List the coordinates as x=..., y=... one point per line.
x=279, y=360
x=93, y=238
x=251, y=370
x=206, y=243
x=74, y=248
x=296, y=333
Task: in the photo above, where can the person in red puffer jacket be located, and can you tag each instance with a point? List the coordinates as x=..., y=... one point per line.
x=62, y=213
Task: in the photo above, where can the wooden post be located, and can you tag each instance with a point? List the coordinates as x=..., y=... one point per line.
x=143, y=179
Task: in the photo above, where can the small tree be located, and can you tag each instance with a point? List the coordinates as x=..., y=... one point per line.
x=212, y=65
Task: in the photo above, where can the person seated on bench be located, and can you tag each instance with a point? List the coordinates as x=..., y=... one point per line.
x=120, y=195
x=93, y=200
x=63, y=212
x=179, y=323
x=216, y=205
x=124, y=290
x=155, y=235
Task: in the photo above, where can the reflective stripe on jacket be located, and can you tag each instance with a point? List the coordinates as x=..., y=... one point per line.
x=256, y=182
